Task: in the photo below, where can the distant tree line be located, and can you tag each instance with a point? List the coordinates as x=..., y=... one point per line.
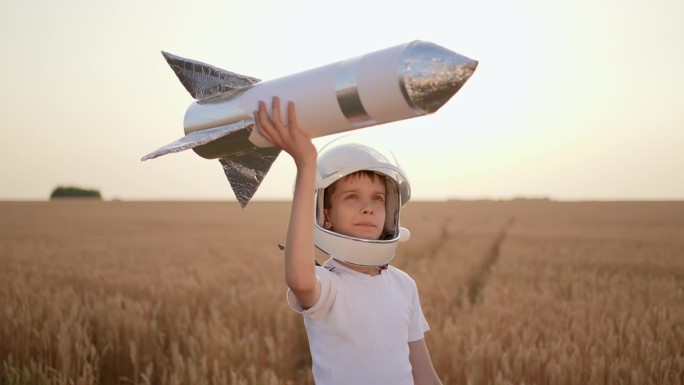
x=74, y=192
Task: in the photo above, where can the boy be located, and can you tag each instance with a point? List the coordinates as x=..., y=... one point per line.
x=363, y=317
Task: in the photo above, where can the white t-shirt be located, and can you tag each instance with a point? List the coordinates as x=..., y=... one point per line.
x=360, y=327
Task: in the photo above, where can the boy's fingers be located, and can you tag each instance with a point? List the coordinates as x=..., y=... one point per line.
x=263, y=130
x=273, y=128
x=264, y=123
x=291, y=115
x=275, y=111
x=262, y=115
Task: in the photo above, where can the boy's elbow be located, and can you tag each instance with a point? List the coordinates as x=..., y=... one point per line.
x=299, y=285
x=301, y=279
x=307, y=293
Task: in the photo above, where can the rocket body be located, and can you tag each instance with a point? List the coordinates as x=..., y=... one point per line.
x=392, y=84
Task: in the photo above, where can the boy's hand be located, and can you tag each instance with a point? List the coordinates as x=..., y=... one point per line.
x=290, y=137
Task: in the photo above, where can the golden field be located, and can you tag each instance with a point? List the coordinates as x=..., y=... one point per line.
x=516, y=292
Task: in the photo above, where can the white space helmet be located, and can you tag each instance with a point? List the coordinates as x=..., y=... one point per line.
x=345, y=156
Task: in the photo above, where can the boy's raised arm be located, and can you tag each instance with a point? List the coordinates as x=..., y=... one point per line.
x=300, y=272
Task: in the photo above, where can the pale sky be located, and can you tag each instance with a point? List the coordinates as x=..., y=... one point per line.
x=573, y=99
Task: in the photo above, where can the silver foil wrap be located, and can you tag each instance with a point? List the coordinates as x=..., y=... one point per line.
x=204, y=80
x=246, y=170
x=200, y=138
x=429, y=75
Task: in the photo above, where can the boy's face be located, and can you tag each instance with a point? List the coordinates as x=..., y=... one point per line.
x=357, y=207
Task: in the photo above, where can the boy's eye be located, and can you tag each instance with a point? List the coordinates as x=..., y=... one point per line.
x=379, y=198
x=351, y=196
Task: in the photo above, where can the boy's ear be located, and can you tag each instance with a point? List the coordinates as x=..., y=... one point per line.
x=326, y=221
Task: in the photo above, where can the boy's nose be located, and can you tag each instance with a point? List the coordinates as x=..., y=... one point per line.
x=367, y=207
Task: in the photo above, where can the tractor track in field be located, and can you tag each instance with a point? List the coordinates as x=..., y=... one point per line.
x=480, y=276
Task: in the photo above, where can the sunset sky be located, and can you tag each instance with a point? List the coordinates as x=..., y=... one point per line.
x=571, y=100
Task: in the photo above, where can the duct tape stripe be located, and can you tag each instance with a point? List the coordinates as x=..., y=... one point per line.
x=348, y=98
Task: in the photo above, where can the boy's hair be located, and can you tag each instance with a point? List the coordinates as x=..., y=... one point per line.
x=328, y=192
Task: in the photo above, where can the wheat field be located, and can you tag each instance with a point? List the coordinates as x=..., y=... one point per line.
x=515, y=292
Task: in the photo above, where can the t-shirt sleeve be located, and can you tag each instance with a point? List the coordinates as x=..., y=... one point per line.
x=322, y=306
x=419, y=324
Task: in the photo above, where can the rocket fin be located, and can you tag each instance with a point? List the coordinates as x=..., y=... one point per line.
x=199, y=138
x=203, y=80
x=246, y=170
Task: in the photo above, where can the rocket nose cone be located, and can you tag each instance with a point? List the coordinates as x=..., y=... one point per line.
x=430, y=75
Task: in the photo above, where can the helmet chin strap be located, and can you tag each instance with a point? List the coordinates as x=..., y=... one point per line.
x=379, y=269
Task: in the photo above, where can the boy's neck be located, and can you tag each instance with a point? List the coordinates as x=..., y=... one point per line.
x=370, y=270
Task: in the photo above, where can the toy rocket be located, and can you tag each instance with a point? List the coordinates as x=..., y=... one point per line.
x=396, y=83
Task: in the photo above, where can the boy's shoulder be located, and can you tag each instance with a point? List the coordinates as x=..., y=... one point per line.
x=402, y=281
x=401, y=273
